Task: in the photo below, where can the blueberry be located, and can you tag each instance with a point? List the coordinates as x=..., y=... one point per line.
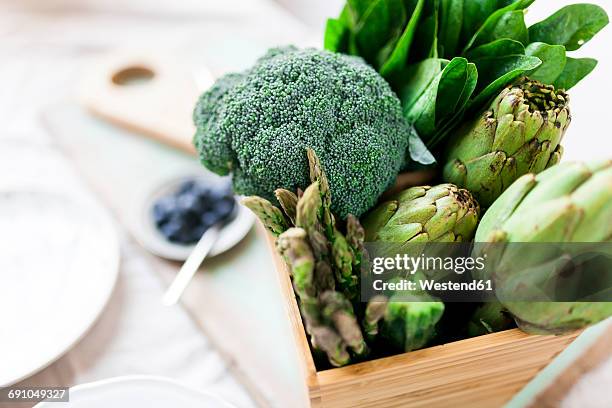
x=172, y=230
x=201, y=190
x=163, y=208
x=187, y=202
x=224, y=207
x=186, y=215
x=209, y=219
x=196, y=233
x=186, y=187
x=188, y=237
x=192, y=220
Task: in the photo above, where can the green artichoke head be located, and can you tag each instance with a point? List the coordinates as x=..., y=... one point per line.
x=442, y=213
x=519, y=133
x=569, y=203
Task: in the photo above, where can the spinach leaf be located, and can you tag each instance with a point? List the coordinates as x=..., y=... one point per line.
x=358, y=9
x=379, y=28
x=398, y=59
x=449, y=123
x=416, y=80
x=439, y=98
x=372, y=31
x=572, y=26
x=451, y=19
x=575, y=70
x=501, y=47
x=417, y=149
x=475, y=13
x=498, y=71
x=452, y=88
x=425, y=42
x=469, y=88
x=553, y=61
x=487, y=32
x=336, y=35
x=498, y=58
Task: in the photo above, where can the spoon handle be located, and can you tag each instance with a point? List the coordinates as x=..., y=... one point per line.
x=190, y=267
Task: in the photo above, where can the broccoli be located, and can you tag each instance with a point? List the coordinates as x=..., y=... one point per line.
x=258, y=124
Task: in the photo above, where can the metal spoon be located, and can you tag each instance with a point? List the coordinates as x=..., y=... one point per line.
x=191, y=265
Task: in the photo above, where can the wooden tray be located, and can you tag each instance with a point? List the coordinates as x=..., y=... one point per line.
x=484, y=371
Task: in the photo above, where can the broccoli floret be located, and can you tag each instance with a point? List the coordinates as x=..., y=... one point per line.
x=258, y=124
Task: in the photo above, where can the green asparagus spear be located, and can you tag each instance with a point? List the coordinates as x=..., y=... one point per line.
x=271, y=217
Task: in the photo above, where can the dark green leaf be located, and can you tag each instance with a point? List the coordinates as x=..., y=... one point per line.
x=452, y=86
x=496, y=59
x=417, y=79
x=510, y=25
x=553, y=61
x=487, y=32
x=398, y=59
x=475, y=13
x=572, y=26
x=348, y=17
x=371, y=32
x=358, y=8
x=499, y=72
x=439, y=99
x=336, y=36
x=575, y=70
x=451, y=19
x=498, y=48
x=469, y=88
x=425, y=44
x=398, y=16
x=450, y=121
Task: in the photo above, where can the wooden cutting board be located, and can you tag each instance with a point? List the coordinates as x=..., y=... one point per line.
x=148, y=94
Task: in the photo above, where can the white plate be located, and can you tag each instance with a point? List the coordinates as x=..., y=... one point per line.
x=137, y=391
x=59, y=260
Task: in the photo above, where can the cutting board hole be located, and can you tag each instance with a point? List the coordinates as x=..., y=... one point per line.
x=131, y=76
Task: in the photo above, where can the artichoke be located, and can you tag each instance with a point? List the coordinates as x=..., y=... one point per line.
x=569, y=203
x=489, y=318
x=443, y=213
x=519, y=134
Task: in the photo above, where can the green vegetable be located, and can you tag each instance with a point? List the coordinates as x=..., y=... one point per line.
x=411, y=325
x=293, y=246
x=449, y=58
x=329, y=315
x=488, y=318
x=288, y=201
x=374, y=312
x=442, y=213
x=572, y=26
x=569, y=203
x=271, y=217
x=324, y=264
x=257, y=125
x=333, y=327
x=520, y=133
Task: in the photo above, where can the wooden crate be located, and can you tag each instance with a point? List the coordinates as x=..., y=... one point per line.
x=484, y=371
